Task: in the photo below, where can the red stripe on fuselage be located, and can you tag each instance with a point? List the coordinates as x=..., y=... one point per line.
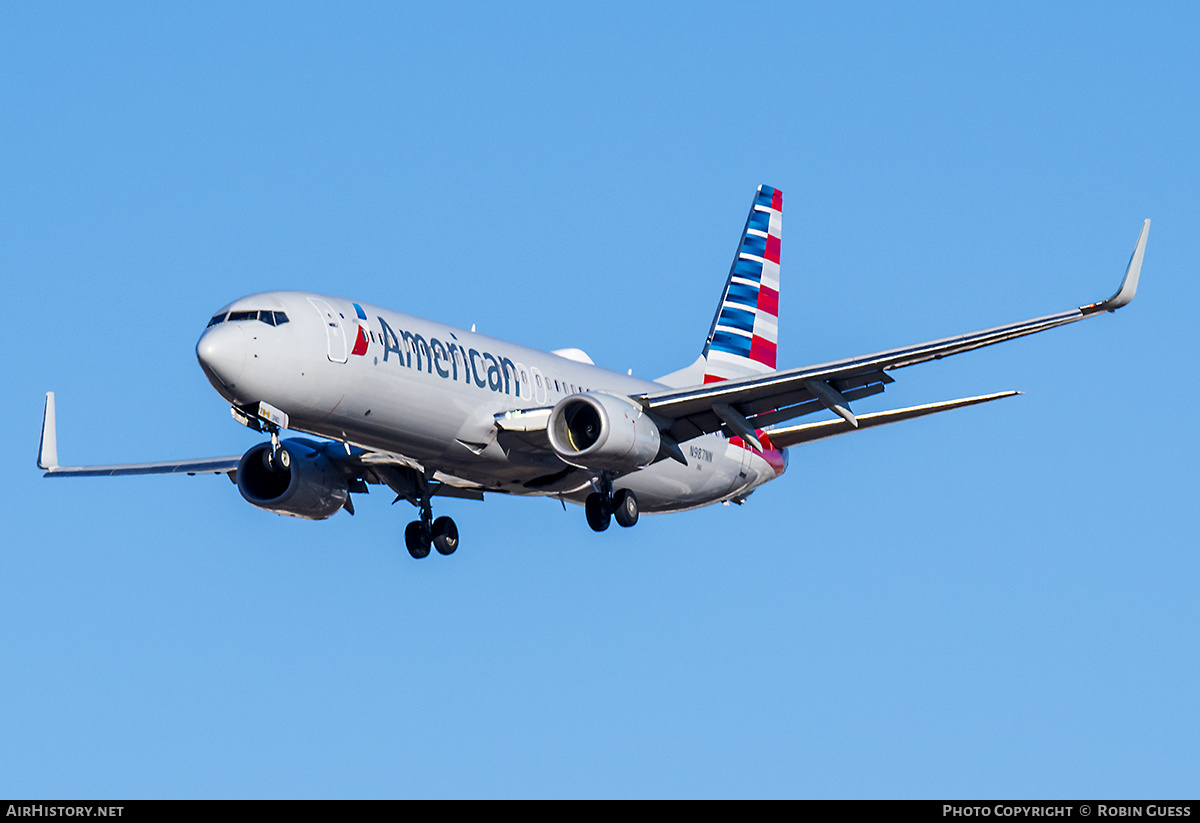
x=775, y=457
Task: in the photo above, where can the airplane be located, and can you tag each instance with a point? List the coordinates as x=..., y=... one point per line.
x=430, y=410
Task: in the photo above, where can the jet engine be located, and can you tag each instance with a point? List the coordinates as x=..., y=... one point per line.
x=602, y=432
x=299, y=481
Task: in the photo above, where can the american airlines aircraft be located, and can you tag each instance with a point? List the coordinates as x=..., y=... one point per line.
x=430, y=410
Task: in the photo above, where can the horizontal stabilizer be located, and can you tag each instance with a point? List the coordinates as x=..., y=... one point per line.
x=807, y=432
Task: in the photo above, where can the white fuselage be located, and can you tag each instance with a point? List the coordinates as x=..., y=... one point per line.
x=393, y=383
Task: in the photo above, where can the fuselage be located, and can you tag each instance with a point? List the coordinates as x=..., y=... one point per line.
x=399, y=384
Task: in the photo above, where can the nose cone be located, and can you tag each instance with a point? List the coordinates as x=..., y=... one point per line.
x=222, y=354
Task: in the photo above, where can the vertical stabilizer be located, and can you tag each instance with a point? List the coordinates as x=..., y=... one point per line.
x=745, y=329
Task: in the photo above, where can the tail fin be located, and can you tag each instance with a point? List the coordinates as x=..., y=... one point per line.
x=745, y=329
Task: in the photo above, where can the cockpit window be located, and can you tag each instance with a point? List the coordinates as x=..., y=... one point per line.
x=271, y=318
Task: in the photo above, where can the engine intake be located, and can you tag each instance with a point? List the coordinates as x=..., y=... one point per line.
x=303, y=484
x=602, y=432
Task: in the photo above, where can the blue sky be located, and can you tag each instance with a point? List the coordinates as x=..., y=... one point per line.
x=994, y=602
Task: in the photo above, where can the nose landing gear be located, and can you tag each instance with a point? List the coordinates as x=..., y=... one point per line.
x=276, y=458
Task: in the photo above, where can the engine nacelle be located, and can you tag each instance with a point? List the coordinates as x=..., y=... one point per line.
x=602, y=432
x=303, y=483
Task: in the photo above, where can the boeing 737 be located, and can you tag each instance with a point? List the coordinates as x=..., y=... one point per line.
x=429, y=410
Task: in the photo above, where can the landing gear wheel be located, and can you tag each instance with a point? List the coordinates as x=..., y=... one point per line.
x=596, y=507
x=625, y=508
x=276, y=460
x=417, y=539
x=445, y=536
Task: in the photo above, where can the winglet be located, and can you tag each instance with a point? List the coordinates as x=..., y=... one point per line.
x=1130, y=283
x=48, y=446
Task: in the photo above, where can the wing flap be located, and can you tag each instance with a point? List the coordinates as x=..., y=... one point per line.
x=808, y=432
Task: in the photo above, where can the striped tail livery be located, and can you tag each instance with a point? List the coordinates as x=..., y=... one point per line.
x=745, y=330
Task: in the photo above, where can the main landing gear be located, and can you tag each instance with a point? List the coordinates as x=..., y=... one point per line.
x=419, y=535
x=442, y=534
x=604, y=504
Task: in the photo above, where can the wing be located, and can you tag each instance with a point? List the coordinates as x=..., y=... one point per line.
x=359, y=465
x=742, y=405
x=48, y=458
